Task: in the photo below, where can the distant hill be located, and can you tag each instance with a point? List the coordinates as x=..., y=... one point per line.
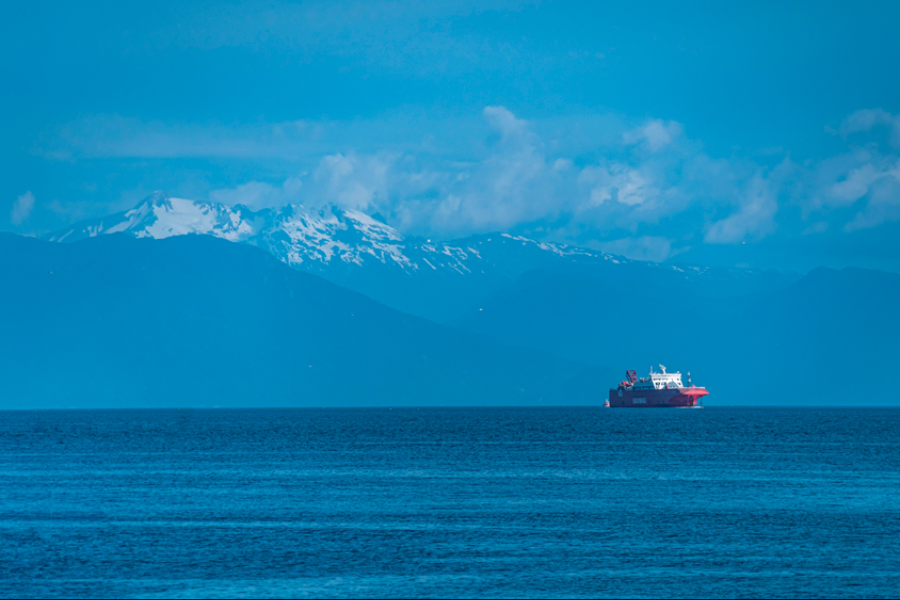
x=196, y=321
x=830, y=337
x=752, y=336
x=436, y=280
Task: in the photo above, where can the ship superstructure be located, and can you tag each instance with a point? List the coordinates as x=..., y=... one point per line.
x=657, y=390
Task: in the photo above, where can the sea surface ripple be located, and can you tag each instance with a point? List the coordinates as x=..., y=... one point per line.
x=451, y=502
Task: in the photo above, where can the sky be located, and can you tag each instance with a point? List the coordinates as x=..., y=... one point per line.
x=754, y=133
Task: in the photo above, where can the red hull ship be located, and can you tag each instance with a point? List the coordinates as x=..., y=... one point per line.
x=657, y=390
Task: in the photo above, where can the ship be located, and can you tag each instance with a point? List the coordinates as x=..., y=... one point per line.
x=657, y=390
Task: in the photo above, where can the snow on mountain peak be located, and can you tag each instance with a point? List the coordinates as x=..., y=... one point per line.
x=317, y=240
x=293, y=233
x=177, y=216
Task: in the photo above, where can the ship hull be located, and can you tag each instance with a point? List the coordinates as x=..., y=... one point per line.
x=670, y=398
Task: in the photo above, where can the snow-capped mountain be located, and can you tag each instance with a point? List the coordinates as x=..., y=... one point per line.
x=437, y=280
x=192, y=318
x=293, y=234
x=302, y=238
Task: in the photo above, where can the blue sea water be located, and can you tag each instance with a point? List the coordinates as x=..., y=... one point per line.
x=486, y=502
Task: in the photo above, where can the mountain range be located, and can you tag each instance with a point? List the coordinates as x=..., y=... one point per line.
x=197, y=321
x=501, y=318
x=436, y=280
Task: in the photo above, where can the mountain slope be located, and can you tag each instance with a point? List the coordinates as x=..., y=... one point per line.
x=435, y=280
x=830, y=337
x=197, y=321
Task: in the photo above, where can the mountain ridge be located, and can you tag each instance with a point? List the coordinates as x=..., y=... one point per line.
x=819, y=340
x=436, y=280
x=196, y=321
x=294, y=234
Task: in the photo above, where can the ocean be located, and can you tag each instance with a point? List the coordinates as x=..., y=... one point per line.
x=451, y=502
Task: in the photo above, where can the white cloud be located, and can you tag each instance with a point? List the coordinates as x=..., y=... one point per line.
x=354, y=182
x=562, y=164
x=652, y=248
x=306, y=142
x=754, y=219
x=655, y=134
x=22, y=208
x=502, y=120
x=870, y=118
x=855, y=185
x=884, y=201
x=514, y=179
x=620, y=182
x=513, y=183
x=498, y=171
x=865, y=177
x=123, y=137
x=258, y=195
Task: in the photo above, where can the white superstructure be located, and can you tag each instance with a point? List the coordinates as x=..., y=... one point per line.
x=659, y=381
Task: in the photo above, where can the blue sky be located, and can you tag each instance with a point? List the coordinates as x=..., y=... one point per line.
x=752, y=133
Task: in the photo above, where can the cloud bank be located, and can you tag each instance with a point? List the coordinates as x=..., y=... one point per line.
x=645, y=189
x=22, y=208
